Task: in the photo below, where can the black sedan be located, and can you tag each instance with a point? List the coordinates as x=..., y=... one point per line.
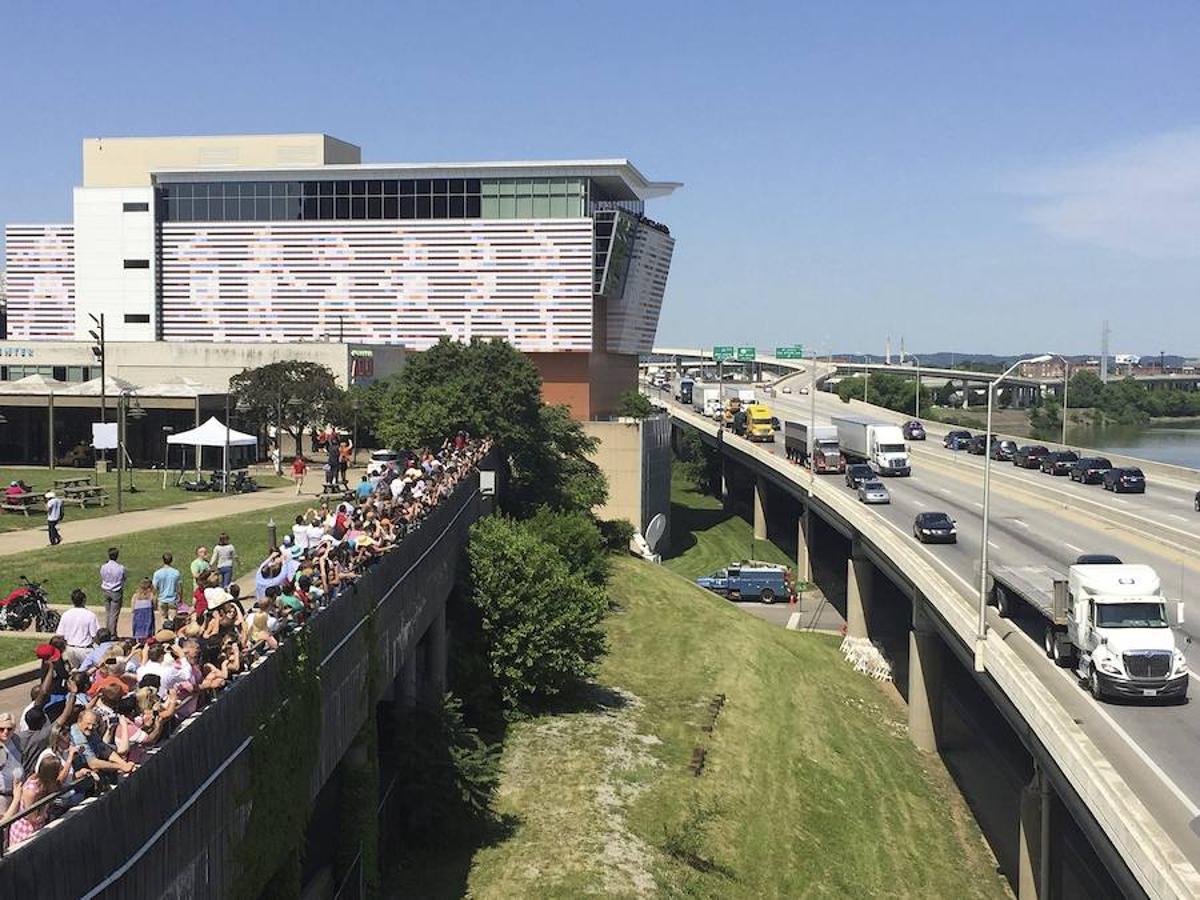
x=978, y=445
x=1197, y=501
x=1004, y=450
x=1125, y=481
x=1029, y=456
x=934, y=528
x=913, y=430
x=1059, y=462
x=859, y=473
x=956, y=439
x=1089, y=469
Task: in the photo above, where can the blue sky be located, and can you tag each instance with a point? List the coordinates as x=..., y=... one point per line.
x=984, y=177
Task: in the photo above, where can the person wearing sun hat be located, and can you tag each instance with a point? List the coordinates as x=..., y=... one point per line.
x=54, y=516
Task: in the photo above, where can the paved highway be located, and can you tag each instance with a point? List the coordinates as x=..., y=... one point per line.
x=1036, y=519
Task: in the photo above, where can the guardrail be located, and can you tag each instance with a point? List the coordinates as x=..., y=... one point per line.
x=1152, y=856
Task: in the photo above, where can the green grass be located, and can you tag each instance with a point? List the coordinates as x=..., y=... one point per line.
x=16, y=650
x=705, y=538
x=150, y=493
x=810, y=786
x=70, y=566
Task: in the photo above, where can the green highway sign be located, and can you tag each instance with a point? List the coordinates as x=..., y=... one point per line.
x=745, y=354
x=720, y=354
x=796, y=351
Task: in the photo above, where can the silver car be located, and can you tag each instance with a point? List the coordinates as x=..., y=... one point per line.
x=873, y=492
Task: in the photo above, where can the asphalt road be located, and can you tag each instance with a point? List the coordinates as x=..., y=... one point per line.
x=1035, y=520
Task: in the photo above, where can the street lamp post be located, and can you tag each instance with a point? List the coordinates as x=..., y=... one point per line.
x=812, y=424
x=866, y=377
x=917, y=362
x=1066, y=380
x=981, y=630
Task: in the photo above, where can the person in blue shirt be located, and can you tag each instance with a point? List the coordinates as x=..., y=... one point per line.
x=166, y=585
x=97, y=655
x=363, y=491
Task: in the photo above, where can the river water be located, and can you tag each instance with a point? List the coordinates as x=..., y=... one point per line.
x=1176, y=444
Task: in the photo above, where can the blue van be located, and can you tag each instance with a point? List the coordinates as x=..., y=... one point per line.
x=749, y=578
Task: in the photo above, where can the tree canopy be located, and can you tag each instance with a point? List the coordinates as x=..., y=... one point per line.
x=489, y=388
x=292, y=393
x=889, y=391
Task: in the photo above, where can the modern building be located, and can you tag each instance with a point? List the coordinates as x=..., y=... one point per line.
x=246, y=241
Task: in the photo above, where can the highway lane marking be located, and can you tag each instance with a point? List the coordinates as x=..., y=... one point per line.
x=1121, y=500
x=1177, y=516
x=917, y=502
x=1073, y=547
x=1019, y=522
x=978, y=505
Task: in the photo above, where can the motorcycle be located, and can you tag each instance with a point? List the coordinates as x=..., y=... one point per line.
x=27, y=604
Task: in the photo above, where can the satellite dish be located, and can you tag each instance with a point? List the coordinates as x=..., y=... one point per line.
x=654, y=531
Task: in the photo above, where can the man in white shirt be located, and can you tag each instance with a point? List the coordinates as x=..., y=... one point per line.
x=78, y=626
x=300, y=534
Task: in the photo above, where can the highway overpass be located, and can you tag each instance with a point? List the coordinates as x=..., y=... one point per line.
x=1126, y=772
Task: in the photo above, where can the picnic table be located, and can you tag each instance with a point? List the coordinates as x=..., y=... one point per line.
x=24, y=502
x=73, y=481
x=83, y=494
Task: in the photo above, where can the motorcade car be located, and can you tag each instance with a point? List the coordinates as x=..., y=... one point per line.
x=1029, y=456
x=857, y=473
x=913, y=430
x=956, y=439
x=1089, y=469
x=1125, y=481
x=1003, y=450
x=873, y=492
x=750, y=578
x=978, y=445
x=1058, y=462
x=935, y=528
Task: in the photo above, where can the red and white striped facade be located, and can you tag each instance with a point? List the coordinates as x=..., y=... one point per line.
x=40, y=279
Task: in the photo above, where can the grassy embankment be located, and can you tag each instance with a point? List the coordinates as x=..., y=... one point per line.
x=70, y=566
x=16, y=650
x=150, y=493
x=809, y=785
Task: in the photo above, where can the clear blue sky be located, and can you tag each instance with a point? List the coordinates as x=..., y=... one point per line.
x=984, y=177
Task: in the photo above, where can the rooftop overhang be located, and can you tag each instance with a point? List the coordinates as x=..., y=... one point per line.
x=619, y=177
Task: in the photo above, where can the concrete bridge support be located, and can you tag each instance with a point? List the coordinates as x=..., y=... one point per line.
x=760, y=508
x=924, y=680
x=726, y=478
x=860, y=590
x=803, y=550
x=435, y=661
x=1033, y=873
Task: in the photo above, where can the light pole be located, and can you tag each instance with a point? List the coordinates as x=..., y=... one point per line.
x=1066, y=380
x=917, y=362
x=981, y=630
x=812, y=424
x=866, y=377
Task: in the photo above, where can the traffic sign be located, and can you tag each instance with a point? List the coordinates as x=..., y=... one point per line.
x=745, y=354
x=794, y=352
x=720, y=354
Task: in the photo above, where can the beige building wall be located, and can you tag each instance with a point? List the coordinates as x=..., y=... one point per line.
x=128, y=162
x=619, y=457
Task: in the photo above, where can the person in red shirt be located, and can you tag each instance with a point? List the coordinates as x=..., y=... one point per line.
x=299, y=467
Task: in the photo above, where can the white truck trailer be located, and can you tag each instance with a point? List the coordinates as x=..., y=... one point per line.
x=706, y=399
x=874, y=441
x=1107, y=621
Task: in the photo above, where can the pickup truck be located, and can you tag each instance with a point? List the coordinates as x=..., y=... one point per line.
x=750, y=578
x=1108, y=621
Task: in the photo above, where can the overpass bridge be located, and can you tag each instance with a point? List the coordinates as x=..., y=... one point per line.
x=1124, y=773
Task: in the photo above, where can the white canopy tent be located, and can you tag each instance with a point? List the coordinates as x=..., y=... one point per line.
x=212, y=433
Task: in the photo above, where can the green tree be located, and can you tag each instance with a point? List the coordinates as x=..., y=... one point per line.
x=635, y=405
x=292, y=393
x=489, y=388
x=578, y=540
x=1085, y=389
x=540, y=621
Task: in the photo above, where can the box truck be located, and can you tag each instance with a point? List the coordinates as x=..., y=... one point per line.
x=879, y=443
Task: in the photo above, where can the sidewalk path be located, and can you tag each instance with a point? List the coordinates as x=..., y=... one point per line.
x=29, y=539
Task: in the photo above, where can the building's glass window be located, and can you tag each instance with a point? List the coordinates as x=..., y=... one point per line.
x=137, y=263
x=135, y=207
x=416, y=198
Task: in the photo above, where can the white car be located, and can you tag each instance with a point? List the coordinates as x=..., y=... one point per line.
x=378, y=462
x=873, y=492
x=787, y=390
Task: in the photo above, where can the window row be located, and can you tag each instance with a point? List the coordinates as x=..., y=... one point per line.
x=451, y=187
x=295, y=209
x=76, y=374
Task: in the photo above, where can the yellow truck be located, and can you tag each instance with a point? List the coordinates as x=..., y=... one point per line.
x=760, y=424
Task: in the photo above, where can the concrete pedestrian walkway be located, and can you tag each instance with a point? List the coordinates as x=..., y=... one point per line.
x=29, y=539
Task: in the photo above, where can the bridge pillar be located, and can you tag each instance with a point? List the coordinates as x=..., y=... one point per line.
x=435, y=660
x=760, y=508
x=966, y=394
x=726, y=497
x=924, y=680
x=1033, y=869
x=803, y=551
x=860, y=589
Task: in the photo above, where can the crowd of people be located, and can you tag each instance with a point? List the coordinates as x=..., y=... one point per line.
x=103, y=701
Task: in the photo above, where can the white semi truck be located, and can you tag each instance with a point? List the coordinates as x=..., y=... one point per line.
x=1107, y=621
x=874, y=441
x=706, y=399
